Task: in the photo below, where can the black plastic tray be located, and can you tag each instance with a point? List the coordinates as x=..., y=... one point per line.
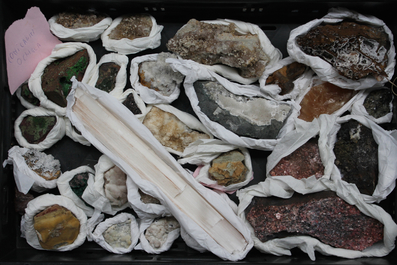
x=276, y=18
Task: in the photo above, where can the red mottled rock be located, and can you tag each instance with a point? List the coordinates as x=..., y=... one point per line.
x=321, y=215
x=302, y=163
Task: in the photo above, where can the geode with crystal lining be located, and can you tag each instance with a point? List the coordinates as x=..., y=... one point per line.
x=355, y=50
x=321, y=215
x=357, y=156
x=377, y=103
x=211, y=44
x=256, y=117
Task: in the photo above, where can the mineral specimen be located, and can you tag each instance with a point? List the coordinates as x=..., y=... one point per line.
x=28, y=95
x=158, y=75
x=107, y=76
x=170, y=131
x=21, y=201
x=55, y=227
x=46, y=166
x=320, y=215
x=157, y=233
x=377, y=103
x=147, y=199
x=129, y=102
x=228, y=168
x=212, y=44
x=355, y=50
x=55, y=80
x=118, y=235
x=36, y=128
x=132, y=27
x=285, y=76
x=357, y=156
x=257, y=117
x=302, y=163
x=76, y=20
x=115, y=186
x=324, y=98
x=78, y=183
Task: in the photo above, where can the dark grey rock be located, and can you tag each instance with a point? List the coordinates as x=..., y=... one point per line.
x=377, y=103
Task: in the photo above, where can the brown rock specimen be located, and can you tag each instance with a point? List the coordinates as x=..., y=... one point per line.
x=76, y=20
x=107, y=76
x=55, y=80
x=132, y=27
x=220, y=44
x=302, y=163
x=115, y=187
x=355, y=50
x=36, y=128
x=55, y=227
x=170, y=131
x=228, y=168
x=46, y=166
x=324, y=98
x=285, y=76
x=130, y=103
x=356, y=154
x=28, y=95
x=321, y=215
x=21, y=201
x=147, y=199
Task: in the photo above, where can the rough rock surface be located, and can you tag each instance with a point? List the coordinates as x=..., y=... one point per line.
x=302, y=163
x=78, y=183
x=157, y=233
x=355, y=50
x=132, y=27
x=377, y=103
x=46, y=166
x=285, y=76
x=258, y=118
x=320, y=215
x=357, y=156
x=228, y=168
x=28, y=95
x=119, y=235
x=115, y=187
x=107, y=76
x=76, y=20
x=212, y=44
x=147, y=199
x=36, y=128
x=130, y=103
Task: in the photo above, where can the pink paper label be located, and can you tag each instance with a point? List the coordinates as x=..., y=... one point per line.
x=27, y=42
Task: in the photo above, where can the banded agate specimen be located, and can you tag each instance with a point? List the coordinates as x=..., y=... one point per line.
x=324, y=98
x=321, y=215
x=355, y=50
x=285, y=76
x=118, y=235
x=55, y=227
x=228, y=168
x=132, y=27
x=377, y=103
x=256, y=117
x=55, y=80
x=36, y=128
x=170, y=131
x=157, y=233
x=147, y=199
x=78, y=184
x=130, y=103
x=115, y=187
x=46, y=166
x=76, y=20
x=212, y=44
x=302, y=163
x=357, y=156
x=107, y=76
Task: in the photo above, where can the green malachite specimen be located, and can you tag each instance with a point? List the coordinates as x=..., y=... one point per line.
x=56, y=77
x=28, y=95
x=107, y=76
x=78, y=183
x=36, y=128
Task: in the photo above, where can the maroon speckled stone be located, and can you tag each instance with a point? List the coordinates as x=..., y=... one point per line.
x=320, y=215
x=302, y=163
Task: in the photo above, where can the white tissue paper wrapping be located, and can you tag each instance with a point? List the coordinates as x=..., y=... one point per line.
x=94, y=194
x=138, y=101
x=62, y=50
x=194, y=72
x=39, y=204
x=273, y=90
x=203, y=151
x=149, y=96
x=144, y=243
x=127, y=46
x=359, y=109
x=387, y=153
x=65, y=189
x=322, y=68
x=24, y=103
x=186, y=118
x=57, y=132
x=72, y=134
x=283, y=188
x=193, y=229
x=97, y=235
x=25, y=177
x=231, y=73
x=143, y=210
x=121, y=77
x=83, y=34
